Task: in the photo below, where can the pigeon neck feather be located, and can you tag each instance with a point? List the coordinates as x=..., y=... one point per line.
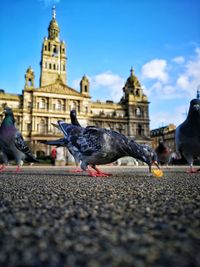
x=8, y=120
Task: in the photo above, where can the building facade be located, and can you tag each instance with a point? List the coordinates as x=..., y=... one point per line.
x=37, y=108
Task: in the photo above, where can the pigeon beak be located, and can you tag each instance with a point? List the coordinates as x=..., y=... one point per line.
x=156, y=163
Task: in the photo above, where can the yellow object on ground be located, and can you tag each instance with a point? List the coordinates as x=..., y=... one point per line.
x=157, y=173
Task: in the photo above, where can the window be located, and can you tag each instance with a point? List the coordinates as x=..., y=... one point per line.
x=140, y=130
x=138, y=112
x=50, y=66
x=42, y=103
x=59, y=105
x=42, y=127
x=54, y=66
x=63, y=67
x=29, y=82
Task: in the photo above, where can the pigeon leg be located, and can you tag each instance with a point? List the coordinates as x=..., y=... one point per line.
x=100, y=173
x=18, y=169
x=96, y=174
x=2, y=168
x=192, y=170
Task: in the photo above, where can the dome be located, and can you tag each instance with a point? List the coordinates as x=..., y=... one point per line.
x=53, y=24
x=133, y=80
x=85, y=78
x=53, y=27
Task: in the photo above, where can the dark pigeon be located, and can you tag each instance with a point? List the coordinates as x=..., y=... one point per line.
x=94, y=146
x=73, y=118
x=163, y=153
x=187, y=135
x=12, y=144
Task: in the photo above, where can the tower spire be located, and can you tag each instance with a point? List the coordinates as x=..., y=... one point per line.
x=132, y=71
x=54, y=12
x=198, y=92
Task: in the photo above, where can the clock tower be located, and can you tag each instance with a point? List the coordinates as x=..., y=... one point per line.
x=53, y=59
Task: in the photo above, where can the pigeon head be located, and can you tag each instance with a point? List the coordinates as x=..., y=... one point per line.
x=9, y=117
x=8, y=111
x=149, y=156
x=144, y=153
x=194, y=107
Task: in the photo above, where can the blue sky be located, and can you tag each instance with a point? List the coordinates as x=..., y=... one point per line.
x=104, y=38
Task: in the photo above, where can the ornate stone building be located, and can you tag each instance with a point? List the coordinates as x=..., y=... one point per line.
x=36, y=108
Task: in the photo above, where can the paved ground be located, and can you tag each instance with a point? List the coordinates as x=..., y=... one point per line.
x=49, y=217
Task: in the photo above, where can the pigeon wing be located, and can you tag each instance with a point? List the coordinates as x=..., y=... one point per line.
x=90, y=141
x=22, y=146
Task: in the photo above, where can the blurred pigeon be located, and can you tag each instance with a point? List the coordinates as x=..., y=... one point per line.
x=187, y=135
x=12, y=143
x=62, y=141
x=93, y=146
x=163, y=153
x=73, y=118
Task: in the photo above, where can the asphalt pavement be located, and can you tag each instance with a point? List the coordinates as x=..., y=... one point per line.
x=50, y=217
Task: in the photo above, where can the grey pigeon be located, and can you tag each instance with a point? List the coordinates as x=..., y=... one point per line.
x=12, y=144
x=94, y=146
x=163, y=153
x=187, y=135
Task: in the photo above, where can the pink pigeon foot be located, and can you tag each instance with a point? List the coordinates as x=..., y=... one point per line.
x=98, y=174
x=76, y=170
x=2, y=168
x=191, y=170
x=18, y=169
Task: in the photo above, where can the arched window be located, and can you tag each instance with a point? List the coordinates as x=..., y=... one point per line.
x=73, y=105
x=63, y=67
x=50, y=66
x=59, y=105
x=140, y=130
x=42, y=127
x=138, y=112
x=42, y=104
x=54, y=66
x=30, y=82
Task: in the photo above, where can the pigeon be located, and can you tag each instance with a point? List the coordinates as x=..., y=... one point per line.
x=62, y=141
x=12, y=144
x=73, y=118
x=163, y=153
x=94, y=146
x=187, y=135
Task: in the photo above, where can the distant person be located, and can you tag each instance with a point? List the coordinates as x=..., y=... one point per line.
x=53, y=156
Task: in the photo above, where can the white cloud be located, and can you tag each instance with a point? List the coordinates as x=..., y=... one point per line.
x=107, y=81
x=179, y=60
x=155, y=69
x=190, y=79
x=162, y=118
x=174, y=81
x=183, y=81
x=48, y=3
